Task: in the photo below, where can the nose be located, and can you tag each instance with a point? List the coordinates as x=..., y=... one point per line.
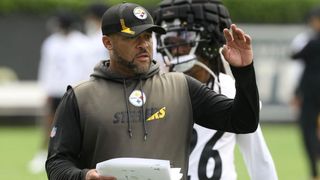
x=143, y=42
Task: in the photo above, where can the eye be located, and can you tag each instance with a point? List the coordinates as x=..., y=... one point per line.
x=130, y=38
x=148, y=36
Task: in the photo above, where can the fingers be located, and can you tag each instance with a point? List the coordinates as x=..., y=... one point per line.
x=237, y=33
x=234, y=33
x=108, y=178
x=92, y=175
x=227, y=35
x=248, y=39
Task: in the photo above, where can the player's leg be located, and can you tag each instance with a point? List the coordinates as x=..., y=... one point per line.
x=308, y=123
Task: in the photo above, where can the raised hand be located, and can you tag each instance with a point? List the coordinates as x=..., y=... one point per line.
x=238, y=50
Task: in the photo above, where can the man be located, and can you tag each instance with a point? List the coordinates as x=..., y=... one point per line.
x=129, y=109
x=196, y=53
x=306, y=47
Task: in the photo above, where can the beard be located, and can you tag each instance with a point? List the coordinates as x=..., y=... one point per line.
x=130, y=65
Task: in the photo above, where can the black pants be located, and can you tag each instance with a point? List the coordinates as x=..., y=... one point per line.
x=309, y=124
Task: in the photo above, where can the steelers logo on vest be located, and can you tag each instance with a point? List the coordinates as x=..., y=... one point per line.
x=137, y=98
x=140, y=13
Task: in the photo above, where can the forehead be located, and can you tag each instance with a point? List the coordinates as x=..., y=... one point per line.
x=149, y=33
x=145, y=33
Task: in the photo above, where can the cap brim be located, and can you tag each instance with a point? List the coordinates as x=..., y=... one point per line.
x=146, y=27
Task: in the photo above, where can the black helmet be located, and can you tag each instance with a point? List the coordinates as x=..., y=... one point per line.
x=194, y=26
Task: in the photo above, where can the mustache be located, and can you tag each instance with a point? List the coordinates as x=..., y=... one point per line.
x=142, y=51
x=139, y=53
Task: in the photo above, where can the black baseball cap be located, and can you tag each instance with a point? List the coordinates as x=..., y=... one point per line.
x=129, y=19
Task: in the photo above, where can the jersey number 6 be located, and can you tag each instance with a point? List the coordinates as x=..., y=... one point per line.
x=207, y=153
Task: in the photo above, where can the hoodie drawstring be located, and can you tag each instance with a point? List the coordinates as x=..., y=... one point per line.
x=143, y=113
x=142, y=109
x=127, y=107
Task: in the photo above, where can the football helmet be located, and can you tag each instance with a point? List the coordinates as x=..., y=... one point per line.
x=194, y=28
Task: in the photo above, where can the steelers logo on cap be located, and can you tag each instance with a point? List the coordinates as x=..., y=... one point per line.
x=140, y=13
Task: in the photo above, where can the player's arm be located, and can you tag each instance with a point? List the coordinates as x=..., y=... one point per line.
x=216, y=111
x=256, y=156
x=65, y=142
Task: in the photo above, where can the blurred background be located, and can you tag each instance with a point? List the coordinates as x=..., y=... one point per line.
x=272, y=24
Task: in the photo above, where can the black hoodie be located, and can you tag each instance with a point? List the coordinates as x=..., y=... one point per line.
x=108, y=117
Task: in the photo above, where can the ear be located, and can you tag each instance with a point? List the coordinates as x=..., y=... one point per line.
x=107, y=42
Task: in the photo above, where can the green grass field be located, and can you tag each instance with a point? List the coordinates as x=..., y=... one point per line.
x=18, y=145
x=286, y=148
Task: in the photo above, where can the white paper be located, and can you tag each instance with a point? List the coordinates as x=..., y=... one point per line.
x=138, y=169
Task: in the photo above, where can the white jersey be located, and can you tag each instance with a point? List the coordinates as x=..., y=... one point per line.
x=64, y=61
x=212, y=152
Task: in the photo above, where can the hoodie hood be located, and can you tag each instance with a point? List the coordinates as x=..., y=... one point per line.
x=101, y=70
